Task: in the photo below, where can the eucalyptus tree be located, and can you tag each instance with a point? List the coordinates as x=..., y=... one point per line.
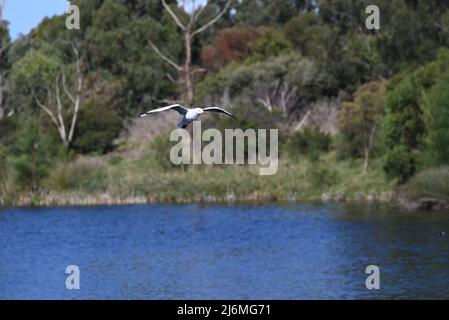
x=190, y=30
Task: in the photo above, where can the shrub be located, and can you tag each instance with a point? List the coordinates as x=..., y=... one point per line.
x=160, y=147
x=3, y=169
x=8, y=126
x=285, y=84
x=32, y=155
x=430, y=183
x=321, y=176
x=310, y=142
x=437, y=123
x=404, y=128
x=87, y=174
x=400, y=163
x=96, y=130
x=271, y=44
x=306, y=32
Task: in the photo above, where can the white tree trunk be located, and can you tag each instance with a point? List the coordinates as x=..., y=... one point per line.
x=365, y=162
x=368, y=147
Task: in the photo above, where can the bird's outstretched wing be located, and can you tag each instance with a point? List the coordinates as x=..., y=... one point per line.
x=217, y=109
x=177, y=107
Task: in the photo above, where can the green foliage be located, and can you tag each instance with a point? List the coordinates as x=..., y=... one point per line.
x=3, y=158
x=307, y=33
x=32, y=76
x=437, y=123
x=432, y=182
x=32, y=155
x=84, y=174
x=8, y=126
x=118, y=43
x=411, y=36
x=321, y=176
x=160, y=148
x=249, y=84
x=271, y=44
x=311, y=143
x=400, y=163
x=403, y=127
x=98, y=126
x=35, y=68
x=270, y=12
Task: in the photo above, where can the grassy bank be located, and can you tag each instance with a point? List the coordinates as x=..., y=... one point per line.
x=432, y=182
x=130, y=176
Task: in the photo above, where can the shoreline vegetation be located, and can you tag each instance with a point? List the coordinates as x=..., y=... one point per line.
x=105, y=199
x=145, y=178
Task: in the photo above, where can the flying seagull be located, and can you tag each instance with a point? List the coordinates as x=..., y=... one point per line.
x=188, y=115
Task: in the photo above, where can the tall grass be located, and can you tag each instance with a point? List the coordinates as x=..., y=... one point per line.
x=120, y=175
x=87, y=174
x=430, y=183
x=146, y=176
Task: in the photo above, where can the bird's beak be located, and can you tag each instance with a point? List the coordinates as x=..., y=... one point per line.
x=205, y=113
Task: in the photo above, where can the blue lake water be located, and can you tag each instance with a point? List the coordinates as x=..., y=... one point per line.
x=301, y=251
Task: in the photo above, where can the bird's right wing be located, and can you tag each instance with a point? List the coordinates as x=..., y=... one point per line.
x=217, y=109
x=177, y=107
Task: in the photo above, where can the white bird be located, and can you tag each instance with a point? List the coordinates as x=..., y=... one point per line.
x=188, y=115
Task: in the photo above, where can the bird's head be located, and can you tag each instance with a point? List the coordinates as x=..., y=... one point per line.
x=200, y=111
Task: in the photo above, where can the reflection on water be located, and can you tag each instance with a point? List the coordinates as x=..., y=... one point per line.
x=302, y=251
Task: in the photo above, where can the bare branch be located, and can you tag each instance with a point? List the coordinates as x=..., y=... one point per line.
x=303, y=121
x=46, y=109
x=186, y=72
x=164, y=57
x=173, y=15
x=198, y=70
x=213, y=21
x=78, y=69
x=199, y=12
x=59, y=109
x=77, y=100
x=266, y=103
x=67, y=92
x=170, y=78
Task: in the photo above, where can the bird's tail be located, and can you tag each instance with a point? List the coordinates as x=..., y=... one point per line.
x=181, y=124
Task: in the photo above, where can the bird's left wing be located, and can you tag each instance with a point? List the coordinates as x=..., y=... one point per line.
x=177, y=107
x=217, y=109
